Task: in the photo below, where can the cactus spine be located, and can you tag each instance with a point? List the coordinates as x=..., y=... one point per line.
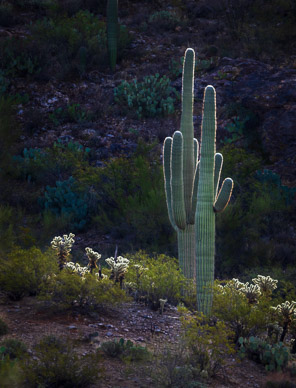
x=112, y=31
x=180, y=155
x=209, y=202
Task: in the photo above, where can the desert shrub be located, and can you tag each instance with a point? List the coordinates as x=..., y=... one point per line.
x=155, y=277
x=62, y=159
x=57, y=364
x=78, y=43
x=68, y=290
x=19, y=57
x=208, y=342
x=3, y=327
x=172, y=368
x=242, y=317
x=13, y=348
x=22, y=271
x=258, y=215
x=126, y=350
x=10, y=373
x=152, y=97
x=72, y=113
x=165, y=20
x=127, y=199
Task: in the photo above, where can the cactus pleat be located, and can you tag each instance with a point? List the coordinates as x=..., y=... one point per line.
x=210, y=165
x=112, y=31
x=180, y=157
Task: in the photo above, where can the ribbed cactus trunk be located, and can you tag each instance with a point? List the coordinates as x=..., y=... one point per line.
x=208, y=203
x=180, y=160
x=205, y=216
x=112, y=31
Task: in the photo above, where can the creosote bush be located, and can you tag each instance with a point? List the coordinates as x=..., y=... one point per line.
x=22, y=271
x=57, y=364
x=151, y=278
x=69, y=291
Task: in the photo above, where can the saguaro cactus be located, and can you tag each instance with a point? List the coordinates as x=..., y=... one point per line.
x=180, y=163
x=112, y=31
x=209, y=201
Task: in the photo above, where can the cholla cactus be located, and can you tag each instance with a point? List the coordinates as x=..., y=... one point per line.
x=266, y=284
x=119, y=267
x=75, y=267
x=287, y=312
x=93, y=257
x=63, y=247
x=252, y=292
x=235, y=284
x=162, y=303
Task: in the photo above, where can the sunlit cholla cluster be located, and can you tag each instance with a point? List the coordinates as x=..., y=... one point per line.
x=263, y=285
x=118, y=267
x=252, y=292
x=75, y=267
x=93, y=258
x=286, y=309
x=266, y=284
x=63, y=246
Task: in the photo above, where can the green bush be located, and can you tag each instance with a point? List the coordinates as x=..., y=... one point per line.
x=258, y=216
x=209, y=342
x=152, y=97
x=3, y=327
x=243, y=318
x=70, y=291
x=57, y=364
x=161, y=279
x=126, y=198
x=22, y=271
x=13, y=348
x=165, y=20
x=126, y=350
x=73, y=113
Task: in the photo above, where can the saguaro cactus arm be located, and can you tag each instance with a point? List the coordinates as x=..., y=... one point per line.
x=217, y=173
x=177, y=182
x=224, y=195
x=167, y=150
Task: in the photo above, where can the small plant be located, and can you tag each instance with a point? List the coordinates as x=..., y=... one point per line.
x=13, y=348
x=252, y=292
x=266, y=283
x=126, y=350
x=73, y=113
x=274, y=357
x=93, y=258
x=165, y=20
x=57, y=364
x=152, y=97
x=119, y=267
x=63, y=246
x=3, y=327
x=286, y=312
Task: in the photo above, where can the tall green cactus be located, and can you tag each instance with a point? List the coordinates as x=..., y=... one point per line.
x=180, y=163
x=209, y=202
x=112, y=31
